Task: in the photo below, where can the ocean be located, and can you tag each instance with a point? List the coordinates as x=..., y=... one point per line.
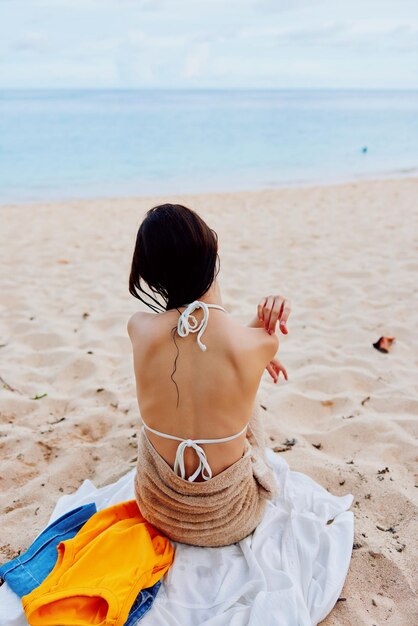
x=75, y=144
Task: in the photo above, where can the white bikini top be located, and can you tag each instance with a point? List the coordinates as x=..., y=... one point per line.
x=184, y=327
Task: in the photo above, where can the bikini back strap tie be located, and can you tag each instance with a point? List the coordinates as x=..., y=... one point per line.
x=203, y=466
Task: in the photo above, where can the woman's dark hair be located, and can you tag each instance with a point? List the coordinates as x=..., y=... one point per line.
x=176, y=256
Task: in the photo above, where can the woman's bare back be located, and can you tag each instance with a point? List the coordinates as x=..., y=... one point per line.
x=216, y=387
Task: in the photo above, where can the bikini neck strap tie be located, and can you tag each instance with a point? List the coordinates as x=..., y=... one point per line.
x=188, y=323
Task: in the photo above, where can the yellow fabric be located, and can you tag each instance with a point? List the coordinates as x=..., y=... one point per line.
x=101, y=570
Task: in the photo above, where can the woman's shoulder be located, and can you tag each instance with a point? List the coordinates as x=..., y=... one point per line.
x=257, y=340
x=138, y=322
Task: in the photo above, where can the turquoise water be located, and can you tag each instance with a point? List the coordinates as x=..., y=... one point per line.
x=65, y=144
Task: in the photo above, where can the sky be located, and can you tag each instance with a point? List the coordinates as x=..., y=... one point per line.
x=257, y=44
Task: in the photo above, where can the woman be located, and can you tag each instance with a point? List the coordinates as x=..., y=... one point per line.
x=202, y=476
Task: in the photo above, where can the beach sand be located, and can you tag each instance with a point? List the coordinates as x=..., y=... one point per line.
x=347, y=258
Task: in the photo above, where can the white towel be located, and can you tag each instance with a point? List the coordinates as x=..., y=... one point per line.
x=289, y=571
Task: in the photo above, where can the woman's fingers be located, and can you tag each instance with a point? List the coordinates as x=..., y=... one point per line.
x=286, y=308
x=260, y=308
x=271, y=371
x=275, y=312
x=284, y=372
x=274, y=368
x=271, y=309
x=267, y=311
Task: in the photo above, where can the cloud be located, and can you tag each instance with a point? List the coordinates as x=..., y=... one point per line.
x=337, y=34
x=30, y=42
x=221, y=43
x=196, y=60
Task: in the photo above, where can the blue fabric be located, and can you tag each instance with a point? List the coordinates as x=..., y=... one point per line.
x=30, y=569
x=142, y=604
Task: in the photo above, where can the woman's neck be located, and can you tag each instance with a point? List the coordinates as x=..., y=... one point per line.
x=213, y=295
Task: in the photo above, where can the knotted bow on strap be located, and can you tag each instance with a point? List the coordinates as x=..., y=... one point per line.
x=203, y=462
x=188, y=323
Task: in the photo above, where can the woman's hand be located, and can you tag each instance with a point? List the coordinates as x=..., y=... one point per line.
x=271, y=309
x=274, y=368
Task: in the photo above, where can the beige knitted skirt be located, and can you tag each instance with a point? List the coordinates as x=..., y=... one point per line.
x=216, y=512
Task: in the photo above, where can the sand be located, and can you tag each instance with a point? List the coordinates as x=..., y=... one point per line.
x=346, y=256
